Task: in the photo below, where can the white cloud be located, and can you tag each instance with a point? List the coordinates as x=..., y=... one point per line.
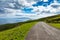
x=17, y=13
x=11, y=5
x=52, y=10
x=45, y=0
x=26, y=3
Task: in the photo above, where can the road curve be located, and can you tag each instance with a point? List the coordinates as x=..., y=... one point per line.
x=42, y=31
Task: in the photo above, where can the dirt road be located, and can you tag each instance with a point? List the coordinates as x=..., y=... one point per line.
x=42, y=31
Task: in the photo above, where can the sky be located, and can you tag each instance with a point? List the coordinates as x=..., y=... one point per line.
x=32, y=9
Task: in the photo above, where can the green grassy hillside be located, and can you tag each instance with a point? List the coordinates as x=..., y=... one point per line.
x=18, y=31
x=56, y=25
x=53, y=21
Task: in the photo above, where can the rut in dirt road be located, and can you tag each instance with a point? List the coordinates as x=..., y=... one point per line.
x=42, y=31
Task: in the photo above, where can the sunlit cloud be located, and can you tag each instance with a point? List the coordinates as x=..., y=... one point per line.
x=32, y=9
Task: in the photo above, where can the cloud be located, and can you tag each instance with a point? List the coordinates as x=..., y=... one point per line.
x=52, y=8
x=25, y=8
x=55, y=6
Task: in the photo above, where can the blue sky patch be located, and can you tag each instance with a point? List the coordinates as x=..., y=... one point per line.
x=27, y=10
x=42, y=3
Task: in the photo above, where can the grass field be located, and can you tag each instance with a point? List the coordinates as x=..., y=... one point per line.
x=17, y=33
x=56, y=25
x=54, y=21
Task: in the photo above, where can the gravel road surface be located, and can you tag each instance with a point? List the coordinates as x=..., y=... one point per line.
x=43, y=31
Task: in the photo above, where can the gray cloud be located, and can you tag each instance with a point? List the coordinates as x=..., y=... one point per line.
x=13, y=7
x=55, y=6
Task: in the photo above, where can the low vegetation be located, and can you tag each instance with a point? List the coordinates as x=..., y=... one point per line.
x=54, y=21
x=17, y=33
x=56, y=25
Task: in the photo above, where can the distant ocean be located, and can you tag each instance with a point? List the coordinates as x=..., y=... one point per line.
x=12, y=20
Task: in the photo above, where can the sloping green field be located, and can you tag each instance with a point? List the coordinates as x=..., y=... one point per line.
x=17, y=33
x=54, y=21
x=56, y=25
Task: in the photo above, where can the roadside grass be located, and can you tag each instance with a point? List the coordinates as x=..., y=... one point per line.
x=56, y=25
x=17, y=33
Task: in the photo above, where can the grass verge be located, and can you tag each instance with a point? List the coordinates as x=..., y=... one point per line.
x=56, y=25
x=17, y=33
